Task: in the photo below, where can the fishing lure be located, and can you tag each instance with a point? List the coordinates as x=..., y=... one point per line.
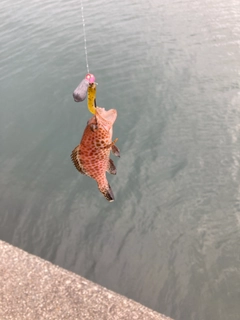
x=87, y=87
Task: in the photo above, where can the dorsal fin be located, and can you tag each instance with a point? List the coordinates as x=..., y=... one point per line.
x=75, y=156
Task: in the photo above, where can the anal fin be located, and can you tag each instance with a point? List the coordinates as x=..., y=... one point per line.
x=111, y=167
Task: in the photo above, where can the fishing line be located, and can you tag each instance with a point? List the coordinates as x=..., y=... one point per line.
x=87, y=87
x=84, y=36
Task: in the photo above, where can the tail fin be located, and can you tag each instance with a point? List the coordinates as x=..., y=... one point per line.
x=107, y=192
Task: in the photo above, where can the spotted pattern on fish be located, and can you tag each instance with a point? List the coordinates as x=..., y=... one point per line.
x=92, y=156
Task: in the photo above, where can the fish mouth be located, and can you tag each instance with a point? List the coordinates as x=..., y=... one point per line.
x=107, y=116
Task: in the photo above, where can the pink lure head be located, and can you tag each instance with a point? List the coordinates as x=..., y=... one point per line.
x=90, y=78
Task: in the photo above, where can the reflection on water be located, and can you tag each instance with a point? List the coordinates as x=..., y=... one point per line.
x=171, y=238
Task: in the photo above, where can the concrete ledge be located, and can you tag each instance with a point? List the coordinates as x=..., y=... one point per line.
x=32, y=288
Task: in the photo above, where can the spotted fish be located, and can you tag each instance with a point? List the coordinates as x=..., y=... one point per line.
x=92, y=156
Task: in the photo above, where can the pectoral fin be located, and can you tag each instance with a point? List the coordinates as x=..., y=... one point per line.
x=115, y=151
x=113, y=147
x=75, y=156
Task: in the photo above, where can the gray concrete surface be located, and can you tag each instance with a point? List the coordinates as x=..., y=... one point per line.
x=32, y=288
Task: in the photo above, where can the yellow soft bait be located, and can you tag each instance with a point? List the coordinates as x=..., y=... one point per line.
x=92, y=91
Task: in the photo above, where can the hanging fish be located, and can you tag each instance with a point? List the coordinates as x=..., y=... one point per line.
x=80, y=93
x=92, y=155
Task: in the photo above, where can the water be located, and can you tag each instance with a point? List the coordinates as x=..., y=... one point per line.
x=171, y=238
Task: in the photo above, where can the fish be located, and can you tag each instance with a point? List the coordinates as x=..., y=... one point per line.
x=92, y=156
